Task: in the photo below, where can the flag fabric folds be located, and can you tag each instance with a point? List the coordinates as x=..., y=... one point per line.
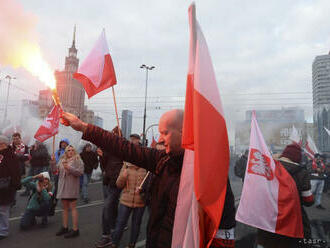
x=97, y=73
x=310, y=148
x=295, y=136
x=50, y=125
x=327, y=130
x=270, y=199
x=204, y=175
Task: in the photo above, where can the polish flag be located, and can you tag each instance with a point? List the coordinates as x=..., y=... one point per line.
x=96, y=73
x=205, y=168
x=295, y=137
x=270, y=199
x=50, y=125
x=310, y=147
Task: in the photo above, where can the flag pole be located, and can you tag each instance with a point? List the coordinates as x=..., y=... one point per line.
x=53, y=153
x=144, y=179
x=114, y=101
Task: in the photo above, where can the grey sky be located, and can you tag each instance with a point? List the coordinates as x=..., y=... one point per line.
x=256, y=46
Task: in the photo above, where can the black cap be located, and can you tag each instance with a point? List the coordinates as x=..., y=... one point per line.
x=134, y=135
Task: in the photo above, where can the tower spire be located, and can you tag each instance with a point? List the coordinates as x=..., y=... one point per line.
x=74, y=37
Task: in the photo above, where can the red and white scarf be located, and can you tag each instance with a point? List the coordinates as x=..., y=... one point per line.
x=20, y=149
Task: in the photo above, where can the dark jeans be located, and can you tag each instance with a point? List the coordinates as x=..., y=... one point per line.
x=110, y=208
x=123, y=214
x=84, y=188
x=29, y=216
x=55, y=184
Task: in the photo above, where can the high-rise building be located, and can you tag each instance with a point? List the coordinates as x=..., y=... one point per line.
x=126, y=122
x=98, y=121
x=70, y=91
x=321, y=101
x=276, y=126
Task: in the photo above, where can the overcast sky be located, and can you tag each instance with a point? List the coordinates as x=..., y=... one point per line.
x=258, y=47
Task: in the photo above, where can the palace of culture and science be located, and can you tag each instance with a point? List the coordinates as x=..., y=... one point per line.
x=70, y=91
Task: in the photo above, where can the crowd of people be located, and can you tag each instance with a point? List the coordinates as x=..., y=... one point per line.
x=317, y=168
x=64, y=176
x=134, y=178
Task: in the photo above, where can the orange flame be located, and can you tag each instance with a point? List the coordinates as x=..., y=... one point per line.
x=29, y=56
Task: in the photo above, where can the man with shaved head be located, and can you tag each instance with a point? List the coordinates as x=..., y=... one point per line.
x=166, y=166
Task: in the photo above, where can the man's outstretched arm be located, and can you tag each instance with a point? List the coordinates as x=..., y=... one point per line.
x=120, y=147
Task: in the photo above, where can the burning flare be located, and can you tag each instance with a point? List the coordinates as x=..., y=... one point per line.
x=19, y=44
x=28, y=55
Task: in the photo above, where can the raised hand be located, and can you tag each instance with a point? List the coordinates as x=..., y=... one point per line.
x=66, y=165
x=125, y=173
x=69, y=119
x=99, y=152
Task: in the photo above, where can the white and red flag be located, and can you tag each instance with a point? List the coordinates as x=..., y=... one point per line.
x=205, y=168
x=270, y=199
x=97, y=73
x=295, y=136
x=50, y=125
x=310, y=147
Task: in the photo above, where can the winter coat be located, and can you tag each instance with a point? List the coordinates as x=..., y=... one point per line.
x=10, y=176
x=129, y=196
x=111, y=166
x=227, y=222
x=167, y=170
x=60, y=151
x=301, y=176
x=240, y=167
x=68, y=182
x=37, y=198
x=39, y=157
x=316, y=175
x=228, y=215
x=90, y=161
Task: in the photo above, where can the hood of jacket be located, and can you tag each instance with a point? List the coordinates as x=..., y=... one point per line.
x=64, y=140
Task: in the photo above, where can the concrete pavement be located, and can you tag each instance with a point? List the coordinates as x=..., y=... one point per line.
x=90, y=224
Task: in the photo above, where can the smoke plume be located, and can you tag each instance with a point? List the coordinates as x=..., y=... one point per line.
x=19, y=41
x=17, y=31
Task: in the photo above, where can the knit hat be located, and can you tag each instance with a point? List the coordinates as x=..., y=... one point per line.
x=292, y=152
x=4, y=139
x=45, y=175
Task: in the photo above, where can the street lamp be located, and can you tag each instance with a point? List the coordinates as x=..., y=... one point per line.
x=148, y=68
x=9, y=81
